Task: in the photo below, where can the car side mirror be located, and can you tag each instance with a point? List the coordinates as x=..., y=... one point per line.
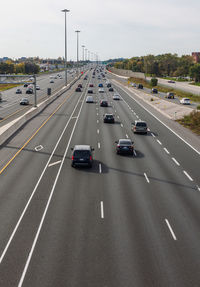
x=72, y=148
x=92, y=149
x=116, y=141
x=132, y=142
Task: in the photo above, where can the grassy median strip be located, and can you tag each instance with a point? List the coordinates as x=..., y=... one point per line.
x=180, y=94
x=4, y=87
x=191, y=121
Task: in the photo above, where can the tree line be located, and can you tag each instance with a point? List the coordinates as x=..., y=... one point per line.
x=165, y=65
x=19, y=68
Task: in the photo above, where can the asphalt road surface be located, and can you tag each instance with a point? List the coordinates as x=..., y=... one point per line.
x=127, y=221
x=10, y=107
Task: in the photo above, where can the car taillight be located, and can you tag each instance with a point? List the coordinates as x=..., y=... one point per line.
x=72, y=157
x=90, y=158
x=118, y=145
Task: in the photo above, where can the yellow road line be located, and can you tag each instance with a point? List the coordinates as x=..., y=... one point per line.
x=12, y=114
x=7, y=164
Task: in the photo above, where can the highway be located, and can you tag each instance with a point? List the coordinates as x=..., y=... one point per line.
x=127, y=221
x=10, y=107
x=162, y=95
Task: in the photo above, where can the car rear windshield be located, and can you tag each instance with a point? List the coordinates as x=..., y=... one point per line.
x=82, y=153
x=125, y=142
x=141, y=124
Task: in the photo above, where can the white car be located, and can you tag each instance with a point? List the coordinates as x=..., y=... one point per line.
x=89, y=99
x=185, y=101
x=101, y=90
x=52, y=81
x=37, y=87
x=116, y=97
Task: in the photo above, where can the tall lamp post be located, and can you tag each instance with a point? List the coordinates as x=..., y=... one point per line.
x=83, y=56
x=77, y=31
x=65, y=11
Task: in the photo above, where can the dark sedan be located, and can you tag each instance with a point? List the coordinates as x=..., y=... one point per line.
x=124, y=146
x=109, y=118
x=104, y=103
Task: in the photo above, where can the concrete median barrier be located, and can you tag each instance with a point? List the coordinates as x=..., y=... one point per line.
x=12, y=127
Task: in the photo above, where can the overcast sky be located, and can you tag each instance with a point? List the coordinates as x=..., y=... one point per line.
x=111, y=28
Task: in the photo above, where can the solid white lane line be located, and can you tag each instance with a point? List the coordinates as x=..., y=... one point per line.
x=99, y=145
x=122, y=125
x=102, y=210
x=166, y=150
x=135, y=153
x=170, y=229
x=98, y=131
x=127, y=136
x=153, y=135
x=54, y=163
x=36, y=186
x=38, y=148
x=146, y=178
x=48, y=203
x=97, y=121
x=159, y=142
x=100, y=169
x=188, y=176
x=176, y=162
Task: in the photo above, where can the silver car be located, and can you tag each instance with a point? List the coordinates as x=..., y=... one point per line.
x=139, y=127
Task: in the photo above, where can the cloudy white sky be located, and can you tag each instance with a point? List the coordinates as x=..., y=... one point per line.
x=111, y=28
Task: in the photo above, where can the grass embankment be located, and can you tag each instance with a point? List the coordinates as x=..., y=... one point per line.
x=195, y=84
x=180, y=94
x=191, y=121
x=4, y=87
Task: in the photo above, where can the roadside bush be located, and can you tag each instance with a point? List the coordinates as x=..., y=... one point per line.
x=154, y=82
x=192, y=121
x=198, y=107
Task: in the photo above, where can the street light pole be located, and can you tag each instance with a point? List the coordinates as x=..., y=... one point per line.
x=83, y=56
x=65, y=11
x=77, y=31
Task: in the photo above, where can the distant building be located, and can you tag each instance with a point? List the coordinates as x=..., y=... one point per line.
x=196, y=57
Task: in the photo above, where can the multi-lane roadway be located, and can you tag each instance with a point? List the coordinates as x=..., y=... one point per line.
x=127, y=221
x=10, y=105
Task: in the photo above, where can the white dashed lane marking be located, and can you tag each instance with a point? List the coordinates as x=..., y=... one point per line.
x=146, y=178
x=176, y=162
x=166, y=150
x=188, y=176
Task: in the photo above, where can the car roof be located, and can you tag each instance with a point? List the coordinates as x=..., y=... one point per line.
x=82, y=147
x=139, y=121
x=108, y=115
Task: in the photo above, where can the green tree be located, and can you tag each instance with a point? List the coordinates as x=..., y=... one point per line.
x=195, y=72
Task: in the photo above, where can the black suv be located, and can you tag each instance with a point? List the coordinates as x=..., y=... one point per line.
x=109, y=118
x=82, y=155
x=140, y=86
